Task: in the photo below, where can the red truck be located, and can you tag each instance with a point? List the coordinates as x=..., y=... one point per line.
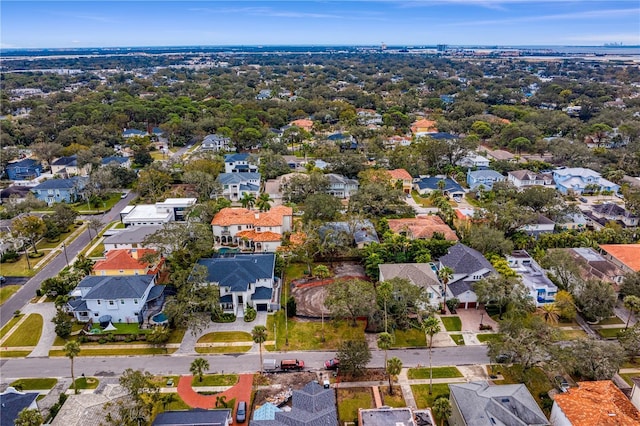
x=291, y=364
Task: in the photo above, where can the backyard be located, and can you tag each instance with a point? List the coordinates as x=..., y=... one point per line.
x=350, y=400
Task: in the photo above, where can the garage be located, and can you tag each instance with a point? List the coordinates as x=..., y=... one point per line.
x=262, y=307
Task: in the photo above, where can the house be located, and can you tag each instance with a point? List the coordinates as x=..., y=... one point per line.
x=263, y=95
x=474, y=161
x=239, y=163
x=541, y=225
x=541, y=289
x=88, y=408
x=129, y=238
x=196, y=416
x=481, y=404
x=26, y=169
x=594, y=403
x=250, y=229
x=635, y=392
x=594, y=265
x=67, y=190
x=525, y=178
x=483, y=178
x=422, y=275
x=244, y=280
x=428, y=184
x=360, y=233
x=577, y=221
x=216, y=143
x=303, y=123
x=611, y=212
x=501, y=155
x=424, y=127
x=14, y=194
x=422, y=227
x=367, y=117
x=404, y=416
x=128, y=262
x=133, y=133
x=468, y=266
x=341, y=186
x=579, y=180
x=395, y=141
x=169, y=210
x=401, y=178
x=124, y=299
x=13, y=401
x=624, y=256
x=312, y=405
x=68, y=166
x=124, y=162
x=235, y=185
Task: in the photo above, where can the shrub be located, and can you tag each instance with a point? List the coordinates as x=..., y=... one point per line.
x=485, y=327
x=224, y=318
x=83, y=339
x=102, y=341
x=10, y=256
x=250, y=314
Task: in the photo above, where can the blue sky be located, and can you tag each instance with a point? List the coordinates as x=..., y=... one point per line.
x=36, y=24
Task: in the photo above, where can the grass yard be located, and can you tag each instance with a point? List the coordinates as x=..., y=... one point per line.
x=216, y=380
x=409, y=338
x=572, y=334
x=115, y=351
x=226, y=336
x=27, y=334
x=14, y=354
x=609, y=333
x=176, y=335
x=350, y=400
x=34, y=384
x=83, y=208
x=7, y=291
x=98, y=251
x=535, y=379
x=611, y=321
x=438, y=373
x=487, y=337
x=168, y=402
x=628, y=376
x=452, y=323
x=19, y=268
x=86, y=383
x=396, y=400
x=9, y=325
x=458, y=339
x=424, y=400
x=44, y=244
x=224, y=349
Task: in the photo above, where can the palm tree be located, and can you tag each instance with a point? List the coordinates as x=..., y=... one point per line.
x=431, y=326
x=71, y=350
x=259, y=335
x=264, y=202
x=198, y=366
x=445, y=274
x=632, y=303
x=549, y=312
x=394, y=367
x=442, y=408
x=385, y=340
x=248, y=200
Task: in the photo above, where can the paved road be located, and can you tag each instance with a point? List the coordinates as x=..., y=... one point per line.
x=236, y=363
x=55, y=265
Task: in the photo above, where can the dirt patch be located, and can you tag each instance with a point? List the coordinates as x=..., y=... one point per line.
x=369, y=375
x=273, y=384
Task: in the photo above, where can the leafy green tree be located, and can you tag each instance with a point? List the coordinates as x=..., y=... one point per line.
x=30, y=228
x=442, y=408
x=159, y=335
x=71, y=350
x=503, y=292
x=564, y=268
x=64, y=216
x=487, y=240
x=566, y=305
x=630, y=341
x=297, y=188
x=152, y=182
x=593, y=359
x=63, y=324
x=630, y=285
x=632, y=303
x=394, y=367
x=198, y=367
x=29, y=417
x=321, y=207
x=596, y=299
x=431, y=327
x=272, y=165
x=259, y=335
x=350, y=298
x=354, y=355
x=142, y=394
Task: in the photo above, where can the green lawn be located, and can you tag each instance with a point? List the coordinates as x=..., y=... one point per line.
x=224, y=349
x=7, y=291
x=572, y=334
x=350, y=400
x=611, y=321
x=458, y=339
x=226, y=336
x=44, y=244
x=27, y=334
x=535, y=379
x=486, y=337
x=19, y=268
x=396, y=400
x=98, y=251
x=86, y=383
x=176, y=335
x=170, y=401
x=83, y=208
x=14, y=354
x=34, y=384
x=609, y=333
x=438, y=373
x=115, y=351
x=452, y=323
x=9, y=325
x=409, y=338
x=424, y=400
x=216, y=380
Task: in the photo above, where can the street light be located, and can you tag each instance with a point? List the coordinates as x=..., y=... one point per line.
x=64, y=248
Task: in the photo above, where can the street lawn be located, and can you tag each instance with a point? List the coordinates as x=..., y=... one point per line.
x=396, y=400
x=486, y=337
x=352, y=399
x=609, y=333
x=7, y=291
x=34, y=384
x=9, y=325
x=14, y=354
x=224, y=349
x=19, y=268
x=115, y=351
x=438, y=373
x=86, y=383
x=215, y=380
x=409, y=338
x=628, y=376
x=226, y=336
x=611, y=321
x=27, y=334
x=44, y=244
x=458, y=339
x=452, y=323
x=572, y=334
x=634, y=363
x=535, y=379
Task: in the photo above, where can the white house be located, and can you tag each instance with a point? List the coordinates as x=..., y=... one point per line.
x=474, y=160
x=169, y=210
x=250, y=229
x=236, y=184
x=541, y=289
x=239, y=163
x=341, y=186
x=129, y=238
x=215, y=143
x=580, y=180
x=420, y=274
x=525, y=178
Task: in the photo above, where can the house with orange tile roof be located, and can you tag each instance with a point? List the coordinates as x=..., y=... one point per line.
x=424, y=127
x=594, y=403
x=251, y=229
x=128, y=262
x=401, y=177
x=624, y=256
x=422, y=227
x=303, y=123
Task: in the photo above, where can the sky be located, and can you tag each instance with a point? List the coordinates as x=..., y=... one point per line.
x=58, y=24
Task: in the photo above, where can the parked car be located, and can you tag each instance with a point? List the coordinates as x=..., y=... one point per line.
x=241, y=412
x=584, y=200
x=332, y=364
x=2, y=279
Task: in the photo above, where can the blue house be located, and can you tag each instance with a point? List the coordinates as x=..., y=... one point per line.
x=485, y=178
x=60, y=190
x=426, y=185
x=26, y=169
x=580, y=180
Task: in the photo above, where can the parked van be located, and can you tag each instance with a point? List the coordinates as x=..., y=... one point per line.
x=241, y=412
x=291, y=364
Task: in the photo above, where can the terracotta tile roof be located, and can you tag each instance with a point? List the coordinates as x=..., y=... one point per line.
x=400, y=174
x=424, y=125
x=422, y=227
x=303, y=123
x=126, y=259
x=597, y=403
x=259, y=237
x=629, y=254
x=239, y=216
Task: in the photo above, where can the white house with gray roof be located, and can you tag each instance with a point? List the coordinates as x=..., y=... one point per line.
x=420, y=274
x=130, y=238
x=341, y=186
x=541, y=289
x=483, y=178
x=236, y=184
x=481, y=404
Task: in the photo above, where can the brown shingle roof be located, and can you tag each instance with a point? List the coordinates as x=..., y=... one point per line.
x=422, y=227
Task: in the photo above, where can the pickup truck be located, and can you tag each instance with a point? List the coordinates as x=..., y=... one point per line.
x=271, y=365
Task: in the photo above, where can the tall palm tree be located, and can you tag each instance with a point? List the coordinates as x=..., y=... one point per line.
x=442, y=408
x=394, y=367
x=71, y=350
x=431, y=326
x=263, y=203
x=549, y=312
x=445, y=274
x=259, y=336
x=632, y=303
x=198, y=367
x=248, y=200
x=385, y=340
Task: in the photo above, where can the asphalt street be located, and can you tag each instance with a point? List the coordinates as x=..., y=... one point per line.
x=229, y=363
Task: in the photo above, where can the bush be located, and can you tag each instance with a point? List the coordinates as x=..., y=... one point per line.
x=485, y=327
x=250, y=314
x=102, y=341
x=36, y=255
x=223, y=318
x=10, y=256
x=291, y=307
x=83, y=339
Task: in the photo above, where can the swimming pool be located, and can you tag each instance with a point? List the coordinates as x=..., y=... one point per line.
x=159, y=318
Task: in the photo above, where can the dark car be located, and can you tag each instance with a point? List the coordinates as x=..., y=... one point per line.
x=584, y=200
x=241, y=412
x=332, y=364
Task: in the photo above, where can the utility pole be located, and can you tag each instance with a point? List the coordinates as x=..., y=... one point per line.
x=64, y=248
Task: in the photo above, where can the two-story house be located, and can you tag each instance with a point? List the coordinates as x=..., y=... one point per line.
x=129, y=238
x=68, y=166
x=428, y=184
x=608, y=212
x=133, y=133
x=422, y=275
x=580, y=180
x=236, y=184
x=525, y=178
x=244, y=280
x=541, y=289
x=474, y=161
x=250, y=229
x=239, y=163
x=54, y=191
x=216, y=143
x=26, y=169
x=124, y=162
x=341, y=186
x=468, y=266
x=169, y=210
x=400, y=178
x=483, y=178
x=129, y=262
x=395, y=141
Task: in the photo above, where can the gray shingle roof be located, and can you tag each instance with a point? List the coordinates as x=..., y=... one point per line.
x=12, y=403
x=66, y=161
x=231, y=158
x=197, y=416
x=262, y=293
x=459, y=287
x=419, y=274
x=116, y=287
x=238, y=271
x=465, y=260
x=135, y=234
x=73, y=182
x=230, y=178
